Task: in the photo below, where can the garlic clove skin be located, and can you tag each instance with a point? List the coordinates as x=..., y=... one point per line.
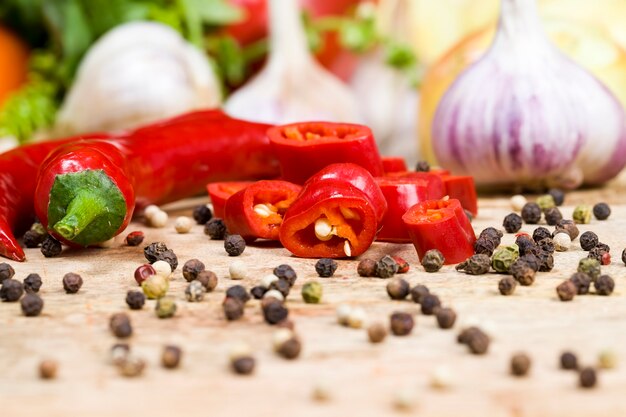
x=526, y=114
x=292, y=87
x=135, y=74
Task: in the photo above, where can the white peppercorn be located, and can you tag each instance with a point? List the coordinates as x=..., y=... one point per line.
x=183, y=224
x=238, y=270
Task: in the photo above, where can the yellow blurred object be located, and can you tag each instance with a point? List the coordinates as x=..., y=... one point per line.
x=590, y=45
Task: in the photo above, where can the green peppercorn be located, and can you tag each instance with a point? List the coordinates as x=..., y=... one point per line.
x=155, y=286
x=478, y=264
x=386, y=267
x=590, y=267
x=503, y=258
x=582, y=214
x=545, y=202
x=312, y=292
x=433, y=260
x=165, y=307
x=601, y=211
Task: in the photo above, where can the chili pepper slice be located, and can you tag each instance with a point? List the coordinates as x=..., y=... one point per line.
x=304, y=148
x=257, y=210
x=329, y=219
x=219, y=192
x=442, y=225
x=393, y=164
x=402, y=194
x=357, y=176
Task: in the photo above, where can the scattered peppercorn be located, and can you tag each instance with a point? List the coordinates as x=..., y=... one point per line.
x=566, y=290
x=11, y=290
x=170, y=358
x=547, y=262
x=553, y=216
x=562, y=242
x=259, y=291
x=398, y=289
x=403, y=266
x=587, y=377
x=422, y=166
x=135, y=238
x=484, y=246
x=522, y=272
x=517, y=202
x=568, y=226
x=541, y=233
x=119, y=352
x=48, y=369
x=476, y=340
x=195, y=291
x=568, y=361
x=202, y=214
x=604, y=285
x=208, y=279
x=135, y=299
x=120, y=325
x=356, y=318
x=588, y=240
x=430, y=303
x=582, y=282
x=478, y=264
x=546, y=245
x=401, y=323
x=72, y=282
x=32, y=304
x=590, y=267
x=526, y=245
x=287, y=273
x=386, y=267
x=234, y=245
x=274, y=311
x=192, y=268
x=607, y=359
x=492, y=233
x=143, y=272
x=312, y=292
x=546, y=202
x=32, y=283
x=233, y=308
x=433, y=260
x=170, y=257
x=520, y=364
x=376, y=332
x=557, y=195
x=238, y=292
x=418, y=292
x=215, y=229
x=466, y=334
x=512, y=223
x=326, y=267
x=367, y=267
x=601, y=211
x=33, y=239
x=503, y=258
x=531, y=260
x=243, y=365
x=6, y=271
x=507, y=285
x=50, y=247
x=582, y=214
x=282, y=286
x=131, y=366
x=165, y=307
x=531, y=213
x=155, y=286
x=287, y=344
x=154, y=250
x=446, y=317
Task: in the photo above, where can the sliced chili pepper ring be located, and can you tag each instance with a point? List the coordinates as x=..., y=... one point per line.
x=219, y=192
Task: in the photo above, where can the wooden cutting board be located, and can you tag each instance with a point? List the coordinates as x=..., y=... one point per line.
x=73, y=329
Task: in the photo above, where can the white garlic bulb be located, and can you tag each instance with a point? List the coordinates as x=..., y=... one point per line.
x=526, y=114
x=292, y=87
x=135, y=74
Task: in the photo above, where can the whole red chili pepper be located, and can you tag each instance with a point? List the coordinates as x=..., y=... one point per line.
x=18, y=172
x=257, y=211
x=304, y=148
x=329, y=219
x=220, y=192
x=442, y=225
x=86, y=191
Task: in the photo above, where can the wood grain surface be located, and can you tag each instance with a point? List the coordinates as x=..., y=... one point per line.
x=73, y=329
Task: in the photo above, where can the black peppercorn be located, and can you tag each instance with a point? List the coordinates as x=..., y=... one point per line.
x=367, y=267
x=522, y=272
x=120, y=325
x=202, y=214
x=243, y=365
x=398, y=289
x=446, y=317
x=566, y=291
x=32, y=283
x=287, y=273
x=32, y=304
x=507, y=285
x=418, y=292
x=234, y=245
x=588, y=240
x=601, y=211
x=558, y=195
x=192, y=268
x=432, y=261
x=274, y=311
x=599, y=253
x=604, y=285
x=153, y=251
x=72, y=283
x=546, y=245
x=170, y=358
x=386, y=267
x=484, y=246
x=466, y=334
x=135, y=299
x=520, y=364
x=326, y=267
x=478, y=264
x=430, y=303
x=238, y=292
x=541, y=233
x=170, y=257
x=531, y=213
x=233, y=308
x=492, y=234
x=553, y=216
x=526, y=245
x=208, y=279
x=282, y=286
x=32, y=238
x=6, y=271
x=587, y=377
x=567, y=226
x=568, y=361
x=547, y=262
x=582, y=282
x=531, y=260
x=512, y=223
x=258, y=292
x=135, y=238
x=215, y=229
x=401, y=323
x=11, y=290
x=50, y=247
x=476, y=340
x=422, y=166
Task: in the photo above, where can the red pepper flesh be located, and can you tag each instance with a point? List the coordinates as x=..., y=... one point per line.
x=393, y=164
x=257, y=210
x=304, y=148
x=441, y=225
x=220, y=192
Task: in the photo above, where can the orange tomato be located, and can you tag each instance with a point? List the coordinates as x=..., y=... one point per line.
x=13, y=63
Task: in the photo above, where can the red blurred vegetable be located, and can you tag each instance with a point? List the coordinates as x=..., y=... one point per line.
x=393, y=164
x=463, y=189
x=441, y=225
x=257, y=210
x=220, y=192
x=402, y=194
x=84, y=190
x=303, y=149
